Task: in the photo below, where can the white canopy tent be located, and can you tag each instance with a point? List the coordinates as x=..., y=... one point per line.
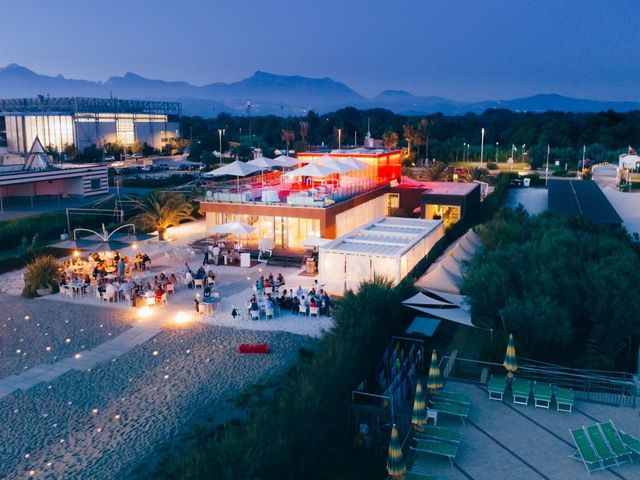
x=457, y=315
x=423, y=300
x=453, y=299
x=357, y=164
x=441, y=279
x=339, y=166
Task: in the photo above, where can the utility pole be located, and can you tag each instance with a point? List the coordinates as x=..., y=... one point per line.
x=482, y=147
x=497, y=145
x=221, y=131
x=546, y=179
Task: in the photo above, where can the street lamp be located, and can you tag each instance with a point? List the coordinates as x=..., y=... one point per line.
x=497, y=145
x=339, y=138
x=482, y=147
x=221, y=131
x=464, y=151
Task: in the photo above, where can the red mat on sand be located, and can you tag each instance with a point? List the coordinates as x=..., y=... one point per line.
x=254, y=348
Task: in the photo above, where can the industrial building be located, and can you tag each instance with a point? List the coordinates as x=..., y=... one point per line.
x=83, y=121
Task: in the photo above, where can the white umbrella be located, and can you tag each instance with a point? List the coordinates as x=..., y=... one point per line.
x=286, y=162
x=311, y=170
x=237, y=169
x=315, y=242
x=357, y=164
x=322, y=159
x=264, y=163
x=338, y=166
x=237, y=228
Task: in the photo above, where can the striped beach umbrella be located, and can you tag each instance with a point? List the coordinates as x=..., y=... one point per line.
x=434, y=381
x=510, y=362
x=395, y=462
x=419, y=415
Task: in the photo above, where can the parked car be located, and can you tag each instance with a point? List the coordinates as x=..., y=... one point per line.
x=136, y=155
x=109, y=158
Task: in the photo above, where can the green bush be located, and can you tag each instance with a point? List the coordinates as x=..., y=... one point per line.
x=43, y=272
x=492, y=166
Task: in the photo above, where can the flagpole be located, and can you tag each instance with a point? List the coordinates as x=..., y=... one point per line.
x=584, y=154
x=546, y=179
x=482, y=147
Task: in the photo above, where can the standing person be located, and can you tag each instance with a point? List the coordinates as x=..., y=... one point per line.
x=121, y=269
x=206, y=255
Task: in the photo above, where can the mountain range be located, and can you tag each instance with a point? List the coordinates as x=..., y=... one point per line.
x=266, y=93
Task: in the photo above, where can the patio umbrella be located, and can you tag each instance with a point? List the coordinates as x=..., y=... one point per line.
x=419, y=415
x=434, y=382
x=286, y=162
x=311, y=170
x=104, y=246
x=231, y=228
x=337, y=165
x=395, y=462
x=132, y=237
x=236, y=169
x=67, y=245
x=315, y=241
x=357, y=164
x=264, y=163
x=510, y=362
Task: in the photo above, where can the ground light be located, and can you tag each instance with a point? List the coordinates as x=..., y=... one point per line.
x=182, y=318
x=145, y=312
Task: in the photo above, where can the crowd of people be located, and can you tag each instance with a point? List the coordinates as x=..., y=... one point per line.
x=204, y=273
x=269, y=296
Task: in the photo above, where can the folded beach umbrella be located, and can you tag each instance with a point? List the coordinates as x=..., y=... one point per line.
x=419, y=415
x=395, y=462
x=510, y=362
x=434, y=381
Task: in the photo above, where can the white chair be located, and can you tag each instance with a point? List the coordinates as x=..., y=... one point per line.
x=150, y=301
x=170, y=288
x=269, y=312
x=210, y=282
x=302, y=310
x=198, y=283
x=268, y=290
x=162, y=300
x=99, y=296
x=255, y=314
x=313, y=311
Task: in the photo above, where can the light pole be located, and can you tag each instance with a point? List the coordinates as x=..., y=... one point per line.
x=464, y=151
x=482, y=146
x=497, y=145
x=221, y=131
x=339, y=138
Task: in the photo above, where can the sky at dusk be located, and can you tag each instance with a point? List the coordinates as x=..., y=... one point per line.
x=459, y=49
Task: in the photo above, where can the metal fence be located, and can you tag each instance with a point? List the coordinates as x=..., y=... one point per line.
x=611, y=388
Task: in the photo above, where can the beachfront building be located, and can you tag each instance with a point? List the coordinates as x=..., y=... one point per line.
x=388, y=247
x=83, y=121
x=349, y=189
x=36, y=177
x=450, y=202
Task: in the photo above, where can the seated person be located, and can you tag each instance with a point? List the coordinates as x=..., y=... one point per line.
x=159, y=293
x=280, y=280
x=211, y=278
x=299, y=291
x=188, y=279
x=215, y=252
x=207, y=291
x=268, y=303
x=186, y=268
x=312, y=302
x=200, y=273
x=87, y=280
x=162, y=277
x=110, y=292
x=173, y=279
x=145, y=260
x=254, y=306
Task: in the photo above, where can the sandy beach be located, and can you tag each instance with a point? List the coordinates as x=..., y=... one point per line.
x=102, y=423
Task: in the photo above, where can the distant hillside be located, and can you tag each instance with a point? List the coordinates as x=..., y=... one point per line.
x=266, y=93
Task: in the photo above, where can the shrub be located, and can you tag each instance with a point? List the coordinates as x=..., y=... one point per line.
x=492, y=166
x=44, y=271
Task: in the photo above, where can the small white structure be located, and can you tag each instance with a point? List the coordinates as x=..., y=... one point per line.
x=629, y=162
x=388, y=246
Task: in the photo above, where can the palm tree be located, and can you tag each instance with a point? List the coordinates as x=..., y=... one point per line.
x=437, y=172
x=287, y=136
x=162, y=210
x=409, y=131
x=390, y=139
x=304, y=130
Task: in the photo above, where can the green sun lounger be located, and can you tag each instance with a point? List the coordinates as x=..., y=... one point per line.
x=419, y=476
x=453, y=409
x=497, y=386
x=564, y=399
x=585, y=451
x=521, y=389
x=620, y=450
x=436, y=448
x=542, y=395
x=601, y=446
x=439, y=433
x=453, y=397
x=631, y=442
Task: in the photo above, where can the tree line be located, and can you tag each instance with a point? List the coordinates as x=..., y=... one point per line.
x=446, y=138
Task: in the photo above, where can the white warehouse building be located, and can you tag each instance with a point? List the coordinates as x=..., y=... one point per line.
x=388, y=247
x=84, y=121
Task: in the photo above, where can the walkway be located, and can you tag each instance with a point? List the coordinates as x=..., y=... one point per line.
x=45, y=372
